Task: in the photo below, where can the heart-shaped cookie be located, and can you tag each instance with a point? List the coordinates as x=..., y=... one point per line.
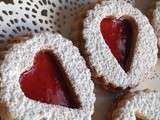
x=120, y=38
x=120, y=44
x=139, y=105
x=46, y=78
x=46, y=81
x=77, y=22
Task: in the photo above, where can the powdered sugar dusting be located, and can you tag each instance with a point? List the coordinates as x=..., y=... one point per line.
x=77, y=22
x=143, y=104
x=20, y=58
x=156, y=21
x=100, y=55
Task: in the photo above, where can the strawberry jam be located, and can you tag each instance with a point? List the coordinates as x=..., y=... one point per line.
x=118, y=35
x=47, y=82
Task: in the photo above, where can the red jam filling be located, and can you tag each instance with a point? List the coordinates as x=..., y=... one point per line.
x=118, y=35
x=46, y=82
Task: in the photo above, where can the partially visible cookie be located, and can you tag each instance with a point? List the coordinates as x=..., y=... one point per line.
x=46, y=78
x=119, y=43
x=140, y=105
x=156, y=21
x=77, y=24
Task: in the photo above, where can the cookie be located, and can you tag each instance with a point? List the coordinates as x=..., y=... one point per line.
x=46, y=78
x=119, y=44
x=139, y=105
x=156, y=21
x=77, y=24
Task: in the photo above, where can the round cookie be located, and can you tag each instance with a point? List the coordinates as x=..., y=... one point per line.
x=140, y=105
x=110, y=66
x=18, y=64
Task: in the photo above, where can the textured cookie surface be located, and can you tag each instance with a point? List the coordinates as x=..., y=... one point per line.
x=77, y=24
x=20, y=58
x=156, y=21
x=144, y=105
x=99, y=54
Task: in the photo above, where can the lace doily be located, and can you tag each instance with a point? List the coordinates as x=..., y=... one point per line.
x=37, y=15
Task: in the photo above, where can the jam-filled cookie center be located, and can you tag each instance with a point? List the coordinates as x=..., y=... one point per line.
x=120, y=35
x=47, y=82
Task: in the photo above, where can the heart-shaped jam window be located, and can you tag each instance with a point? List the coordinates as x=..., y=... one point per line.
x=47, y=82
x=120, y=35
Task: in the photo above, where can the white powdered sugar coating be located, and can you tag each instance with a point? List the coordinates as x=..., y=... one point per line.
x=142, y=104
x=77, y=23
x=100, y=56
x=20, y=58
x=156, y=21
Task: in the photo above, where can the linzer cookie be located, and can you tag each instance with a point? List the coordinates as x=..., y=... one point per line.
x=156, y=21
x=46, y=78
x=119, y=44
x=140, y=105
x=77, y=24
